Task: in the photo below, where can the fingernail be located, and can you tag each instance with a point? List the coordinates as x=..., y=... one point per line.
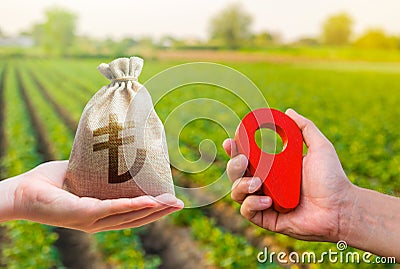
x=292, y=110
x=254, y=184
x=179, y=203
x=237, y=181
x=167, y=199
x=266, y=200
x=226, y=141
x=236, y=161
x=242, y=160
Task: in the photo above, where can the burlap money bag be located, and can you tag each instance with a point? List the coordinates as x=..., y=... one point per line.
x=120, y=147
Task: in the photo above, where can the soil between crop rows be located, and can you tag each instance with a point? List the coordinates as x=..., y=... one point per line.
x=170, y=251
x=161, y=237
x=71, y=124
x=225, y=215
x=75, y=247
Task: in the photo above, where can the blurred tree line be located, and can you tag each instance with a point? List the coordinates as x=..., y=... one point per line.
x=338, y=31
x=57, y=34
x=230, y=28
x=57, y=37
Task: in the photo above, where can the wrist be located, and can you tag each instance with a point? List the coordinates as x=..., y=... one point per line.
x=359, y=221
x=347, y=206
x=8, y=188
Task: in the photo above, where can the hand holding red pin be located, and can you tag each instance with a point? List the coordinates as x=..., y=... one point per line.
x=280, y=173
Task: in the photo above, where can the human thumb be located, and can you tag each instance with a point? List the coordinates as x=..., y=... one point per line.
x=312, y=136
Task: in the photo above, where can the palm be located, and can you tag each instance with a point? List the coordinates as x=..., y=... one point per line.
x=324, y=186
x=40, y=197
x=52, y=205
x=317, y=214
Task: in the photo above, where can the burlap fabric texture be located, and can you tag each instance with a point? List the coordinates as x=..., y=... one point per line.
x=120, y=147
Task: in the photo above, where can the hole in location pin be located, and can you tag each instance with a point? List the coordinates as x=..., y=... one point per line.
x=280, y=173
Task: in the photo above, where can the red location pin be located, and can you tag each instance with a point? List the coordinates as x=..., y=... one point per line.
x=280, y=173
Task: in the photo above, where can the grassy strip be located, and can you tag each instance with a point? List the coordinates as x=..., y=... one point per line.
x=335, y=105
x=212, y=229
x=48, y=126
x=238, y=242
x=127, y=251
x=61, y=92
x=223, y=249
x=54, y=95
x=29, y=245
x=58, y=134
x=123, y=249
x=82, y=76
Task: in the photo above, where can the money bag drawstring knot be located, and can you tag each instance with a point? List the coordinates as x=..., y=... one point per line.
x=122, y=79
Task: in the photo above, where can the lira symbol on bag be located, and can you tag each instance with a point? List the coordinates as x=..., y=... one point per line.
x=114, y=142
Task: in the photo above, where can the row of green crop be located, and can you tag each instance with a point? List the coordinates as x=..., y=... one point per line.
x=123, y=249
x=354, y=124
x=74, y=99
x=67, y=90
x=29, y=245
x=126, y=252
x=355, y=109
x=222, y=248
x=211, y=173
x=234, y=260
x=332, y=99
x=61, y=94
x=320, y=95
x=61, y=137
x=219, y=244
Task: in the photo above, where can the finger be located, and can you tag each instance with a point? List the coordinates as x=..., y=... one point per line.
x=110, y=207
x=143, y=221
x=169, y=200
x=245, y=186
x=254, y=206
x=133, y=215
x=161, y=202
x=312, y=136
x=236, y=167
x=230, y=147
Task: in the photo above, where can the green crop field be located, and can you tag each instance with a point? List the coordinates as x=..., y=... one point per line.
x=355, y=104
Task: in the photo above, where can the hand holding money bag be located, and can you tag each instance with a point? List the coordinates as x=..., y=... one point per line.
x=120, y=147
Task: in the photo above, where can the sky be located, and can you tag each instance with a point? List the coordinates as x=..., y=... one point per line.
x=190, y=18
